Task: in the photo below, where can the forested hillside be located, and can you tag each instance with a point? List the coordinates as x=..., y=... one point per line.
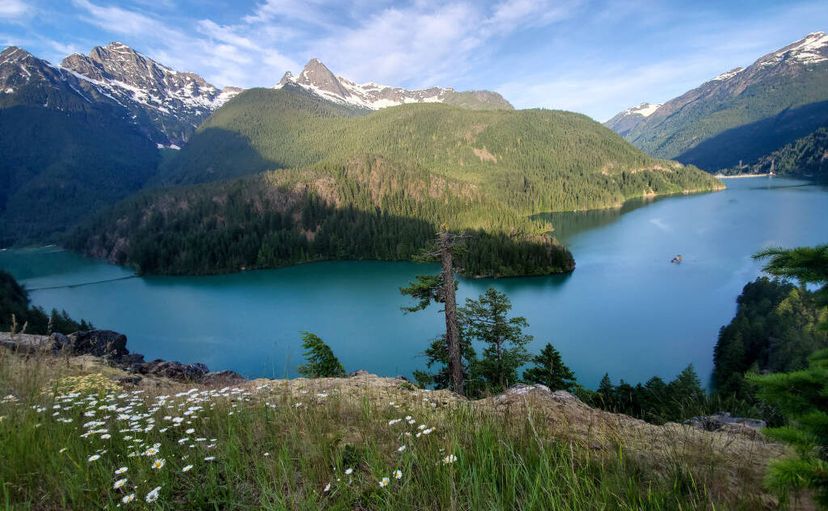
x=63, y=155
x=376, y=186
x=805, y=157
x=742, y=114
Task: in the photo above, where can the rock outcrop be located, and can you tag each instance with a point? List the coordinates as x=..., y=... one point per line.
x=110, y=347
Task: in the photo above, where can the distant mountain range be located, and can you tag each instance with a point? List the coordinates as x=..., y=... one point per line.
x=164, y=104
x=317, y=78
x=741, y=114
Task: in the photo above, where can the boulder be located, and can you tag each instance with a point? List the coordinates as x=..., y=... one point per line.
x=59, y=341
x=98, y=343
x=222, y=378
x=174, y=370
x=725, y=421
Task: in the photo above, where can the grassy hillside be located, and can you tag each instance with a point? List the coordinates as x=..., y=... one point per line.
x=376, y=186
x=349, y=443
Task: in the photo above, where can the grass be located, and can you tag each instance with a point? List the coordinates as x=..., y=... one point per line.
x=267, y=445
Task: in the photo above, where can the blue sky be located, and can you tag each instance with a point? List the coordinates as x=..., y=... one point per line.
x=592, y=56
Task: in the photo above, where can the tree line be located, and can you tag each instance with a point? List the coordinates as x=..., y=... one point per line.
x=17, y=315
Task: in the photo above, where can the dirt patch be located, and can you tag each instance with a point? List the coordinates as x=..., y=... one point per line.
x=484, y=155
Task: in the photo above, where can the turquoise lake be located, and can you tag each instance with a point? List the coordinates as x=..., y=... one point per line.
x=625, y=310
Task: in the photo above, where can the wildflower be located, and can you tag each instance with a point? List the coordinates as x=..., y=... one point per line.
x=398, y=474
x=121, y=470
x=190, y=431
x=63, y=450
x=128, y=498
x=94, y=457
x=394, y=421
x=349, y=471
x=449, y=459
x=152, y=451
x=384, y=482
x=266, y=454
x=153, y=495
x=187, y=468
x=327, y=488
x=158, y=464
x=119, y=484
x=401, y=448
x=106, y=436
x=209, y=458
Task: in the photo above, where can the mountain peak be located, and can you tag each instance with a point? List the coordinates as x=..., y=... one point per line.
x=14, y=54
x=811, y=49
x=318, y=79
x=316, y=75
x=118, y=46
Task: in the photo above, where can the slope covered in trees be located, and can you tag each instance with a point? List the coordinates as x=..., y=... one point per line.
x=17, y=314
x=63, y=162
x=375, y=186
x=744, y=113
x=804, y=157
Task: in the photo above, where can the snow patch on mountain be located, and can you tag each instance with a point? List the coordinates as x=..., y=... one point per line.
x=812, y=49
x=644, y=109
x=728, y=75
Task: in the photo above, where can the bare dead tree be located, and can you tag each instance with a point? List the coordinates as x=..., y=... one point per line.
x=445, y=247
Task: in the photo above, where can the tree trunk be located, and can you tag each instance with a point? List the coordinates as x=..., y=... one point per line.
x=452, y=330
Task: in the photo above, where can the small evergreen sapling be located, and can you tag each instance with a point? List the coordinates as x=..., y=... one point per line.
x=321, y=361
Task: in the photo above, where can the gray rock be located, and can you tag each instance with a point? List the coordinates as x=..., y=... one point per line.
x=222, y=378
x=99, y=343
x=174, y=370
x=726, y=422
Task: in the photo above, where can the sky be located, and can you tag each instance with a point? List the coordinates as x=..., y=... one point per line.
x=597, y=57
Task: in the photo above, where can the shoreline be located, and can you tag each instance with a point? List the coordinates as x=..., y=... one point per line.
x=739, y=176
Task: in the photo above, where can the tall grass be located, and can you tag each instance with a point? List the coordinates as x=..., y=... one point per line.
x=265, y=446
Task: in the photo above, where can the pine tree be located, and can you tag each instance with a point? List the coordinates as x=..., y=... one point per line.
x=802, y=396
x=485, y=320
x=606, y=392
x=442, y=288
x=686, y=394
x=321, y=361
x=437, y=357
x=550, y=370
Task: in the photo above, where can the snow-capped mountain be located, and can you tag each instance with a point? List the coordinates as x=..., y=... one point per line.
x=627, y=120
x=318, y=79
x=791, y=82
x=168, y=105
x=175, y=101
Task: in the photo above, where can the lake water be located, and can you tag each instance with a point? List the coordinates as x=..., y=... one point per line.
x=625, y=310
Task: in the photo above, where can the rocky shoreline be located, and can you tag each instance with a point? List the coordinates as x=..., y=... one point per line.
x=111, y=347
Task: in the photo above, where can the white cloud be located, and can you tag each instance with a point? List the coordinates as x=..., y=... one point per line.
x=421, y=43
x=224, y=55
x=426, y=42
x=14, y=9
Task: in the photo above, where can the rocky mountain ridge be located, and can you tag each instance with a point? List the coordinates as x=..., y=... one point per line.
x=774, y=85
x=167, y=105
x=318, y=79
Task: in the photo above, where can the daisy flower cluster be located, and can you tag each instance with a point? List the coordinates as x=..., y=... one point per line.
x=128, y=428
